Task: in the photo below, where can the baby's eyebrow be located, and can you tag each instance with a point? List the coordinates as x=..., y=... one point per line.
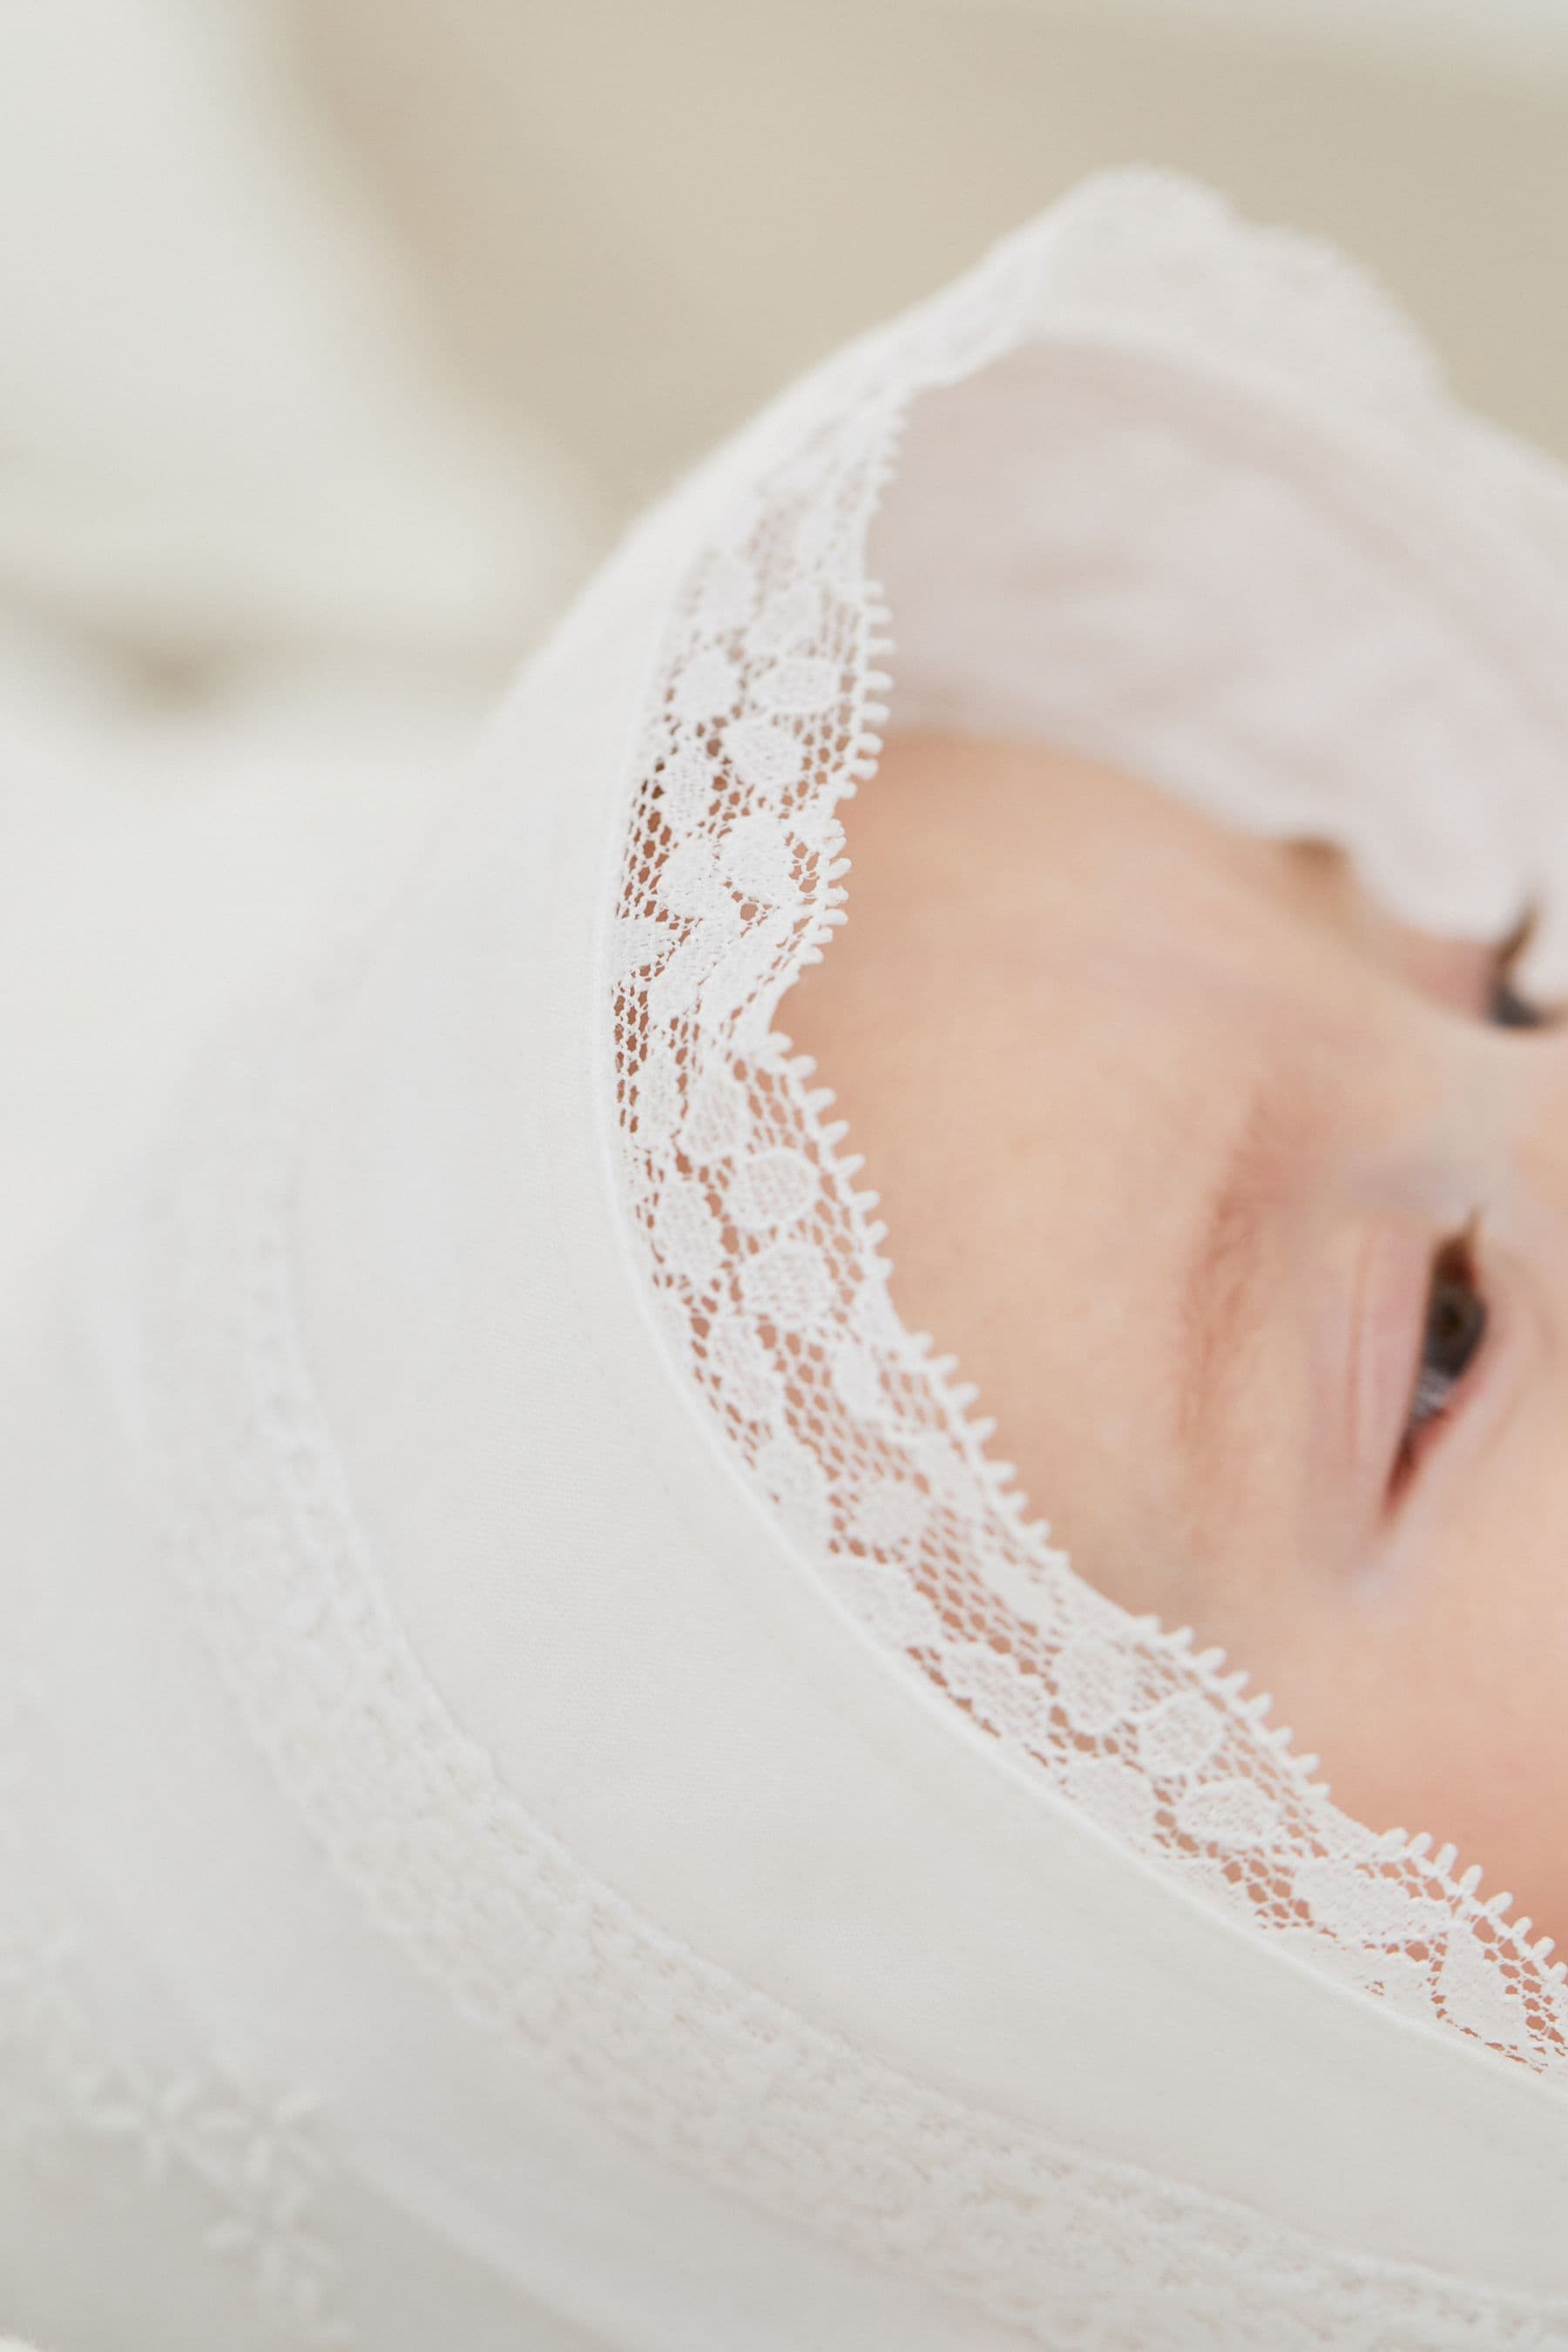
x=1221, y=1295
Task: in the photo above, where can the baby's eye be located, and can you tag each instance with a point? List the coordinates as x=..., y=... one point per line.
x=1507, y=1009
x=1455, y=1327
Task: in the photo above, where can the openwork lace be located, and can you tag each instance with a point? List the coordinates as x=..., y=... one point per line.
x=767, y=1266
x=712, y=2077
x=766, y=1259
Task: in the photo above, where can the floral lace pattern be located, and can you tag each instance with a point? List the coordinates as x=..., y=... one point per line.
x=765, y=1259
x=766, y=1263
x=715, y=2079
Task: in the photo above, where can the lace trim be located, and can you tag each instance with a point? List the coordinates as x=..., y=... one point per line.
x=712, y=2077
x=765, y=1259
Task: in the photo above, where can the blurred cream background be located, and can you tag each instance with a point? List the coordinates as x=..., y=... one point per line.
x=338, y=336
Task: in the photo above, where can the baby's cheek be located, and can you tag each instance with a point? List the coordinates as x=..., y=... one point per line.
x=1489, y=1676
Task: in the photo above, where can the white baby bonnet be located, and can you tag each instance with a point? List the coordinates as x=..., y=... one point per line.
x=554, y=1795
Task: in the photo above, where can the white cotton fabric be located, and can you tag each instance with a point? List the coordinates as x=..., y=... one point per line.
x=553, y=1793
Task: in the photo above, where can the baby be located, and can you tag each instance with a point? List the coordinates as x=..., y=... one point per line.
x=1247, y=1210
x=546, y=1796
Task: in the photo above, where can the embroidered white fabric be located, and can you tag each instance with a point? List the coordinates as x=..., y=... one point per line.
x=553, y=1793
x=709, y=2077
x=767, y=1258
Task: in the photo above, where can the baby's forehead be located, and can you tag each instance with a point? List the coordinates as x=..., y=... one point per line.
x=1109, y=884
x=1086, y=858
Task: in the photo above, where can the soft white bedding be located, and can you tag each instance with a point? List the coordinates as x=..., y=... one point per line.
x=260, y=564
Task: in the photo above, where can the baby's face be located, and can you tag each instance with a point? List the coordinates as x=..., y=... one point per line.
x=1251, y=1222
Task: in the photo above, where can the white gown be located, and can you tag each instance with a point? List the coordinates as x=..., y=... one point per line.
x=554, y=1794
